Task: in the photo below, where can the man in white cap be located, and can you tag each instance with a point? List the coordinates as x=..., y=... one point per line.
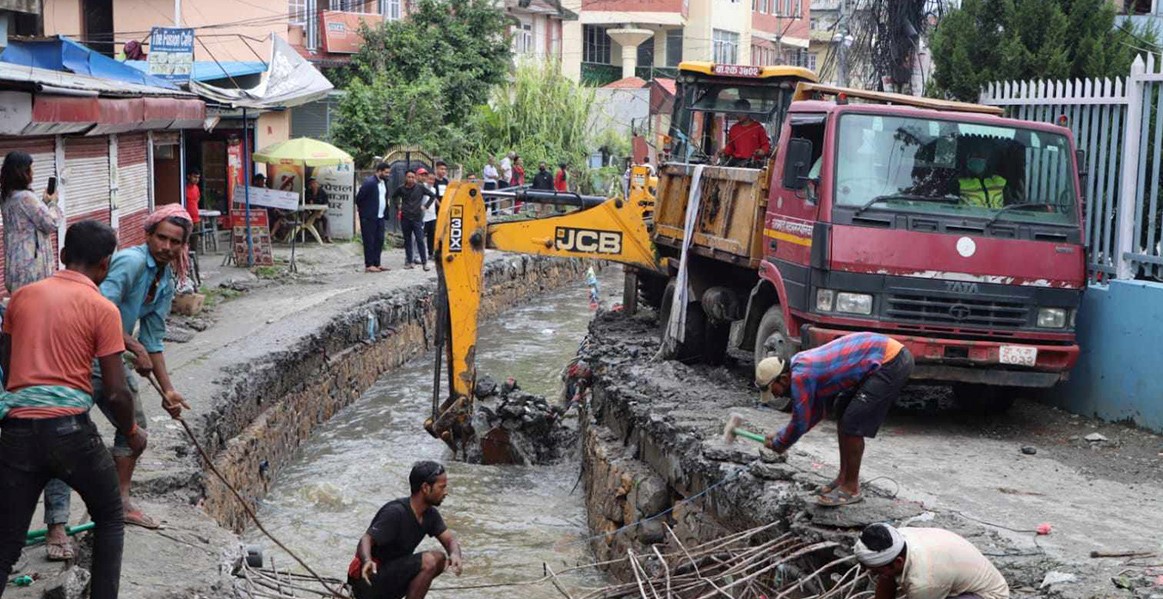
x=864, y=373
x=927, y=563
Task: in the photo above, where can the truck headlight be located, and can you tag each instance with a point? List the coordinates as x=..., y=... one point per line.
x=824, y=299
x=854, y=303
x=1051, y=318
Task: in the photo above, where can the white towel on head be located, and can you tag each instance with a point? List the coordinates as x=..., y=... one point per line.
x=876, y=559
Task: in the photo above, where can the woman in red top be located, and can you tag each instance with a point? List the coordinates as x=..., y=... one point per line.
x=560, y=180
x=518, y=179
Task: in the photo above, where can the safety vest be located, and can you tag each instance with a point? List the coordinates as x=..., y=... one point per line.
x=985, y=192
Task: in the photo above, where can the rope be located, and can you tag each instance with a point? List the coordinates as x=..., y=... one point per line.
x=241, y=500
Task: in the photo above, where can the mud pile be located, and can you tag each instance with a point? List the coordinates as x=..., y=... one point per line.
x=516, y=427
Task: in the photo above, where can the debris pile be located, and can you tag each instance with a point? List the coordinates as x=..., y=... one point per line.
x=519, y=427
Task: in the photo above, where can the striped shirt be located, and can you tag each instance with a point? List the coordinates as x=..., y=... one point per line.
x=820, y=374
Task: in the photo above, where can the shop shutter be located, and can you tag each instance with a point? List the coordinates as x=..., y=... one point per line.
x=132, y=188
x=87, y=191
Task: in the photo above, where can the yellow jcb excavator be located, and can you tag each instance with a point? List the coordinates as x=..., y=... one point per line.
x=612, y=229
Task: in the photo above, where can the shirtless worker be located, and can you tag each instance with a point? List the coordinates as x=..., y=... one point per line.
x=384, y=566
x=864, y=373
x=927, y=563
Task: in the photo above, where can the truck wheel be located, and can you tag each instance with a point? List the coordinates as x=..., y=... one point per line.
x=771, y=339
x=650, y=289
x=985, y=399
x=696, y=324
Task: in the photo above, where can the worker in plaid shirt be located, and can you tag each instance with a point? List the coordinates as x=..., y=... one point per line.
x=864, y=373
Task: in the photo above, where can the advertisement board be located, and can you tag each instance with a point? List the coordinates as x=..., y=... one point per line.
x=171, y=53
x=341, y=30
x=268, y=198
x=339, y=183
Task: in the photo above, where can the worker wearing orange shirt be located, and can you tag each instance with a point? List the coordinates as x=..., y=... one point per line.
x=747, y=139
x=193, y=195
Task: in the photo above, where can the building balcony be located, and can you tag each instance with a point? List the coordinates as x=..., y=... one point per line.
x=597, y=74
x=650, y=73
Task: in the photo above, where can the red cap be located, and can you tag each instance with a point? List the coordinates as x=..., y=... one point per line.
x=421, y=171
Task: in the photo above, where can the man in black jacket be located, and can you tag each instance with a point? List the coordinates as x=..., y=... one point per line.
x=411, y=197
x=543, y=179
x=372, y=203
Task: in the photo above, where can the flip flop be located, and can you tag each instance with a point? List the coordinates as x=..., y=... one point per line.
x=137, y=518
x=827, y=488
x=838, y=498
x=60, y=551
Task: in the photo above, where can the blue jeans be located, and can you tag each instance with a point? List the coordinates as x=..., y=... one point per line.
x=57, y=495
x=69, y=448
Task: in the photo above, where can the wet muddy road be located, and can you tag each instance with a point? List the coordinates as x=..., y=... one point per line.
x=509, y=519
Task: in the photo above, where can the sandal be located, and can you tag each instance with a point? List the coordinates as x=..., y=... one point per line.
x=828, y=488
x=137, y=518
x=60, y=551
x=839, y=497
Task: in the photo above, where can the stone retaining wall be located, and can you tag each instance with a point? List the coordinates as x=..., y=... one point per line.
x=268, y=409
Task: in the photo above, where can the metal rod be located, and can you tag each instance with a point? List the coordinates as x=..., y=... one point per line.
x=548, y=197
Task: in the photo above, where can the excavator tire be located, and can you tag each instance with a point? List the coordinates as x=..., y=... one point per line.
x=650, y=289
x=691, y=348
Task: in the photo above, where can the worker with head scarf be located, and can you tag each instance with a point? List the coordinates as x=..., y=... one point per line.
x=927, y=563
x=141, y=283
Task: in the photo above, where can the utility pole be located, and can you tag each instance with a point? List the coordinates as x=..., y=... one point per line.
x=177, y=13
x=845, y=36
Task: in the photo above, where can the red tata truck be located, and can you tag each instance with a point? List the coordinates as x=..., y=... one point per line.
x=958, y=233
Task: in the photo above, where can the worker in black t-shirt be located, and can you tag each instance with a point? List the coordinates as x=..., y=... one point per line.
x=384, y=566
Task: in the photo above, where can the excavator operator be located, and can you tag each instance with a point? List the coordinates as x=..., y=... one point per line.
x=747, y=140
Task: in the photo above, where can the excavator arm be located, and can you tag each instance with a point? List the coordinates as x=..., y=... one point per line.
x=613, y=229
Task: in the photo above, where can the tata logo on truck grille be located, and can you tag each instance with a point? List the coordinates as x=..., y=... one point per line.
x=590, y=241
x=456, y=229
x=959, y=311
x=961, y=287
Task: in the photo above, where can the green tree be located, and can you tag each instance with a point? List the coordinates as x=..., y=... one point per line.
x=540, y=114
x=997, y=40
x=420, y=79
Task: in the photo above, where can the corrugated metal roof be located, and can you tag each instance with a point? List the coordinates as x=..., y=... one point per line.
x=63, y=82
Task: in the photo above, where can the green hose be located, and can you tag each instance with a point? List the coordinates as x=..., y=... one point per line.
x=35, y=536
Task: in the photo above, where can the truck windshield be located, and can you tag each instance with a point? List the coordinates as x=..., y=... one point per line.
x=954, y=168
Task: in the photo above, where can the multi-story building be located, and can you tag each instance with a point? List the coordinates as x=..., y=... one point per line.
x=648, y=38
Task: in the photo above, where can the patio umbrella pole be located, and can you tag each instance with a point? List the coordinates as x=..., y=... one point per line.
x=246, y=169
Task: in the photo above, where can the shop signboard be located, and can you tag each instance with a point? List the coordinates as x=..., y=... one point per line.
x=267, y=198
x=171, y=53
x=339, y=183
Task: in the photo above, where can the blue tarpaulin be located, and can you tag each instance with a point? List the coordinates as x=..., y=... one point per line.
x=64, y=54
x=208, y=70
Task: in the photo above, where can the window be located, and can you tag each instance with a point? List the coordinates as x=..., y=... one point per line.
x=927, y=165
x=297, y=12
x=523, y=38
x=347, y=5
x=597, y=44
x=646, y=53
x=390, y=9
x=673, y=47
x=726, y=46
x=810, y=63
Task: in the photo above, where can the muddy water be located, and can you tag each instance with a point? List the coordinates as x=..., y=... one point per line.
x=509, y=519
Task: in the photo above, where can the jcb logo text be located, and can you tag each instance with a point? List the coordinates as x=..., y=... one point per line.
x=456, y=229
x=588, y=241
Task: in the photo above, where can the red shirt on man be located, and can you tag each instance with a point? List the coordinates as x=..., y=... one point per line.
x=193, y=196
x=744, y=138
x=559, y=181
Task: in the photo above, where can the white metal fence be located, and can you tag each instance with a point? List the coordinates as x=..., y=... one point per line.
x=1116, y=122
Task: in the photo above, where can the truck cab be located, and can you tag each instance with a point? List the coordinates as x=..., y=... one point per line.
x=957, y=232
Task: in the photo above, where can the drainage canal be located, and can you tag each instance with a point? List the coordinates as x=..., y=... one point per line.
x=509, y=519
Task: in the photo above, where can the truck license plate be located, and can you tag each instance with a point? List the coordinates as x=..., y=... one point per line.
x=1018, y=355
